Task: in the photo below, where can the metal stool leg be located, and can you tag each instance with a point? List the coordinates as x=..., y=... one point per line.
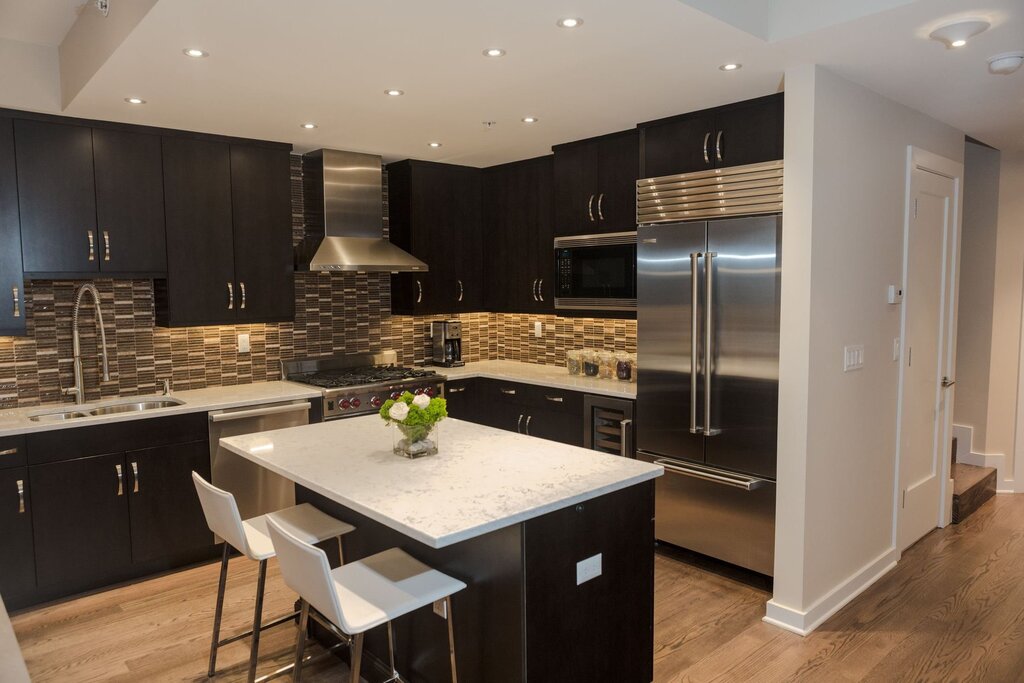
x=341, y=553
x=256, y=619
x=356, y=656
x=451, y=636
x=391, y=652
x=300, y=647
x=219, y=612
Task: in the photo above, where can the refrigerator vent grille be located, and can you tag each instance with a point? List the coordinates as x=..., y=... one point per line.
x=734, y=191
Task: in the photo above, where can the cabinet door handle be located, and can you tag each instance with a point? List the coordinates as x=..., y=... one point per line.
x=527, y=430
x=556, y=399
x=241, y=286
x=718, y=146
x=456, y=390
x=92, y=245
x=535, y=289
x=17, y=302
x=590, y=208
x=510, y=392
x=231, y=296
x=540, y=289
x=21, y=497
x=106, y=245
x=519, y=424
x=120, y=480
x=707, y=136
x=459, y=282
x=419, y=294
x=135, y=477
x=626, y=438
x=9, y=451
x=600, y=200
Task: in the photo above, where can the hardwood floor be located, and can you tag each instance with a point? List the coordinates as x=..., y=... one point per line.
x=952, y=610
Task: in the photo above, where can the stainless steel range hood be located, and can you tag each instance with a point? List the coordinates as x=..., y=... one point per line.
x=344, y=197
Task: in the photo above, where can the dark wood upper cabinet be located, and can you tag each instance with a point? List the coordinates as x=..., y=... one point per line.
x=12, y=284
x=200, y=286
x=262, y=233
x=732, y=135
x=434, y=213
x=57, y=197
x=595, y=184
x=129, y=202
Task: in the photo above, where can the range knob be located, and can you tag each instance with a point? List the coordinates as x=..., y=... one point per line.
x=418, y=391
x=345, y=403
x=429, y=391
x=375, y=402
x=356, y=403
x=395, y=395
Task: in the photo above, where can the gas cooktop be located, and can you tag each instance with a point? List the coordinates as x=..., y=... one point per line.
x=360, y=376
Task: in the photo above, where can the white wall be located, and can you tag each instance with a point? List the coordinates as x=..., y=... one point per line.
x=29, y=76
x=845, y=184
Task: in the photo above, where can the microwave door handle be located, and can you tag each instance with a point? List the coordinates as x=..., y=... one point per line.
x=694, y=262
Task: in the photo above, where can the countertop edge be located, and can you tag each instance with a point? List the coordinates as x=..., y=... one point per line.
x=610, y=390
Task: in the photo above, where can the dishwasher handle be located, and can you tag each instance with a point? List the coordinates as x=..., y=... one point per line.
x=226, y=416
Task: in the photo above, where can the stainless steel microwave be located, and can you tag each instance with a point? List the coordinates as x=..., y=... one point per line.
x=596, y=272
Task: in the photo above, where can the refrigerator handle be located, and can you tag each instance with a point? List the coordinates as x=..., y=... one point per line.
x=694, y=259
x=708, y=327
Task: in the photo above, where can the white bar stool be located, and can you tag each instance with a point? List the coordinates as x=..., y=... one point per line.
x=357, y=596
x=250, y=538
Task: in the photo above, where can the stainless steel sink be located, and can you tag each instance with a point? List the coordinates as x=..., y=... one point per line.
x=57, y=417
x=135, y=406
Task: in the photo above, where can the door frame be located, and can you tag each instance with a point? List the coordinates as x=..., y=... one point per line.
x=922, y=160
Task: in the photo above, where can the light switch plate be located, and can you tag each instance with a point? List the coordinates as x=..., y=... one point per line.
x=894, y=295
x=853, y=357
x=588, y=569
x=243, y=343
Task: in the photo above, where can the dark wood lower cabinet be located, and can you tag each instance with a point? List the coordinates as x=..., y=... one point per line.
x=17, y=559
x=80, y=521
x=554, y=426
x=166, y=517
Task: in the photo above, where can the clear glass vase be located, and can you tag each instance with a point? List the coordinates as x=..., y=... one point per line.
x=415, y=441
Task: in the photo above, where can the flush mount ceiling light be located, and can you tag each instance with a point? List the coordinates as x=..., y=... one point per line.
x=958, y=33
x=529, y=119
x=394, y=92
x=435, y=145
x=195, y=52
x=134, y=100
x=309, y=126
x=494, y=52
x=1006, y=62
x=731, y=66
x=569, y=22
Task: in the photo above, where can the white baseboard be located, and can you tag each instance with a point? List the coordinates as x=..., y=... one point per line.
x=803, y=622
x=966, y=454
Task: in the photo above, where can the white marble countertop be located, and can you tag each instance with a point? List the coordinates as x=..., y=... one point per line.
x=483, y=479
x=18, y=420
x=12, y=663
x=553, y=376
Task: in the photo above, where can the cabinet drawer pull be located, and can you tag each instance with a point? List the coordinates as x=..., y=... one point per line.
x=135, y=477
x=9, y=451
x=231, y=296
x=600, y=200
x=540, y=289
x=120, y=480
x=21, y=497
x=527, y=430
x=718, y=146
x=17, y=302
x=519, y=424
x=106, y=245
x=92, y=245
x=419, y=292
x=510, y=392
x=456, y=390
x=556, y=399
x=241, y=286
x=707, y=136
x=590, y=208
x=460, y=290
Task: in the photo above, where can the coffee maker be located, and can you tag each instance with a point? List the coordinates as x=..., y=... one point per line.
x=446, y=343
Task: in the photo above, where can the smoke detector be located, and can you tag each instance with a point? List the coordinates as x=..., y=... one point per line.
x=1006, y=62
x=959, y=32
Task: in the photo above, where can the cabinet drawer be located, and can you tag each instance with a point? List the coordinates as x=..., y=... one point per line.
x=12, y=451
x=463, y=399
x=558, y=400
x=502, y=390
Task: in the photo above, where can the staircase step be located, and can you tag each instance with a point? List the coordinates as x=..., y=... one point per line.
x=972, y=486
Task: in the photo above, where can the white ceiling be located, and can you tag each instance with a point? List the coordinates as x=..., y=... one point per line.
x=274, y=65
x=42, y=22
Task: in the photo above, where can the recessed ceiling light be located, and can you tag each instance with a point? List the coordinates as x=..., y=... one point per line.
x=134, y=100
x=958, y=33
x=195, y=52
x=394, y=92
x=435, y=145
x=309, y=126
x=529, y=119
x=730, y=66
x=570, y=22
x=494, y=52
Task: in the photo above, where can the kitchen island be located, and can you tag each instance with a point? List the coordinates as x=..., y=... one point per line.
x=556, y=543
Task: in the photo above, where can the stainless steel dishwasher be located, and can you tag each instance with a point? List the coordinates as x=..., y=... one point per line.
x=257, y=490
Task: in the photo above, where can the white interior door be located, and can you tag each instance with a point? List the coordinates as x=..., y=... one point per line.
x=928, y=309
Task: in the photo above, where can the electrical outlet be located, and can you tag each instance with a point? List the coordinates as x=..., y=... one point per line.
x=588, y=569
x=441, y=608
x=895, y=348
x=538, y=329
x=853, y=357
x=243, y=343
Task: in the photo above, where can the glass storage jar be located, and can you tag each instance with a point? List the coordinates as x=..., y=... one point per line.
x=574, y=361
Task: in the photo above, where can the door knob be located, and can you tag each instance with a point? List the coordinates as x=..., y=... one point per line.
x=947, y=382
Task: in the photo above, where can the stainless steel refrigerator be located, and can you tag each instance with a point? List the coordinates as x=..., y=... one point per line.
x=707, y=396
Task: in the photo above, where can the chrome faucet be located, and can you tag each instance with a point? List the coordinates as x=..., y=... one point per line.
x=78, y=390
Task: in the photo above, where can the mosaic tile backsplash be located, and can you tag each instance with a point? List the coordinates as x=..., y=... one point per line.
x=334, y=313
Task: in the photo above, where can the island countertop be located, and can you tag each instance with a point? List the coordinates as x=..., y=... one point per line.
x=483, y=479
